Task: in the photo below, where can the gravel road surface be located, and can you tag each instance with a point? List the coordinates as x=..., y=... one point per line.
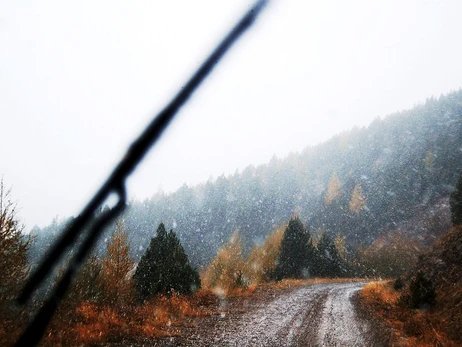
x=315, y=315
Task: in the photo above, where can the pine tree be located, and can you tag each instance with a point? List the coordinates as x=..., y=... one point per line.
x=456, y=203
x=328, y=260
x=296, y=250
x=116, y=266
x=164, y=268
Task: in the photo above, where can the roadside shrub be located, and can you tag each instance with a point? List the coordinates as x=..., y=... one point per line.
x=421, y=292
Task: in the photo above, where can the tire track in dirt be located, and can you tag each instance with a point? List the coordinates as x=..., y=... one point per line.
x=315, y=315
x=339, y=325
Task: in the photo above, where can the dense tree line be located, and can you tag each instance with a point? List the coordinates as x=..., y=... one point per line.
x=362, y=184
x=300, y=258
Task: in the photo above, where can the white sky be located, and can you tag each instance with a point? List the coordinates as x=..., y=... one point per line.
x=79, y=80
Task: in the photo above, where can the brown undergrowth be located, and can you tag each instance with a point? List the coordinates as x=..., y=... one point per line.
x=409, y=327
x=91, y=324
x=437, y=320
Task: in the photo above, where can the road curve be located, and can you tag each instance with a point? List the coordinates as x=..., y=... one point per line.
x=315, y=315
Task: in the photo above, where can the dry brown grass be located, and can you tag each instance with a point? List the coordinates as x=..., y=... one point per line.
x=91, y=324
x=410, y=327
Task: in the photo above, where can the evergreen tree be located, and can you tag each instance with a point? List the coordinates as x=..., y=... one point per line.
x=329, y=262
x=164, y=268
x=456, y=203
x=296, y=249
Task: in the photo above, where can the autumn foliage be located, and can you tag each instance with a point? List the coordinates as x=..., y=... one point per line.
x=408, y=327
x=101, y=306
x=13, y=267
x=95, y=324
x=230, y=273
x=116, y=266
x=423, y=308
x=262, y=260
x=226, y=271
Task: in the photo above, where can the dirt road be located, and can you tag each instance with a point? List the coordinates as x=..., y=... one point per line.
x=316, y=315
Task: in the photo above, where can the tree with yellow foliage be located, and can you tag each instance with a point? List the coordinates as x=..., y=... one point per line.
x=227, y=268
x=334, y=189
x=357, y=201
x=263, y=259
x=116, y=266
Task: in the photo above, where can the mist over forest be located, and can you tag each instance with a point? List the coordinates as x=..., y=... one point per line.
x=395, y=175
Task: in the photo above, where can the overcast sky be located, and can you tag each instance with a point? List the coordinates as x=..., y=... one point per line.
x=79, y=80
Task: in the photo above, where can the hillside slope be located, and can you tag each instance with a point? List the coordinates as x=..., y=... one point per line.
x=443, y=267
x=424, y=309
x=361, y=184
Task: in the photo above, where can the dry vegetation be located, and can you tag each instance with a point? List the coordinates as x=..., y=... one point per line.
x=13, y=267
x=432, y=325
x=91, y=324
x=229, y=274
x=410, y=327
x=225, y=273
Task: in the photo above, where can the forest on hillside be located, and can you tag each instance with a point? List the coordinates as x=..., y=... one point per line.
x=393, y=176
